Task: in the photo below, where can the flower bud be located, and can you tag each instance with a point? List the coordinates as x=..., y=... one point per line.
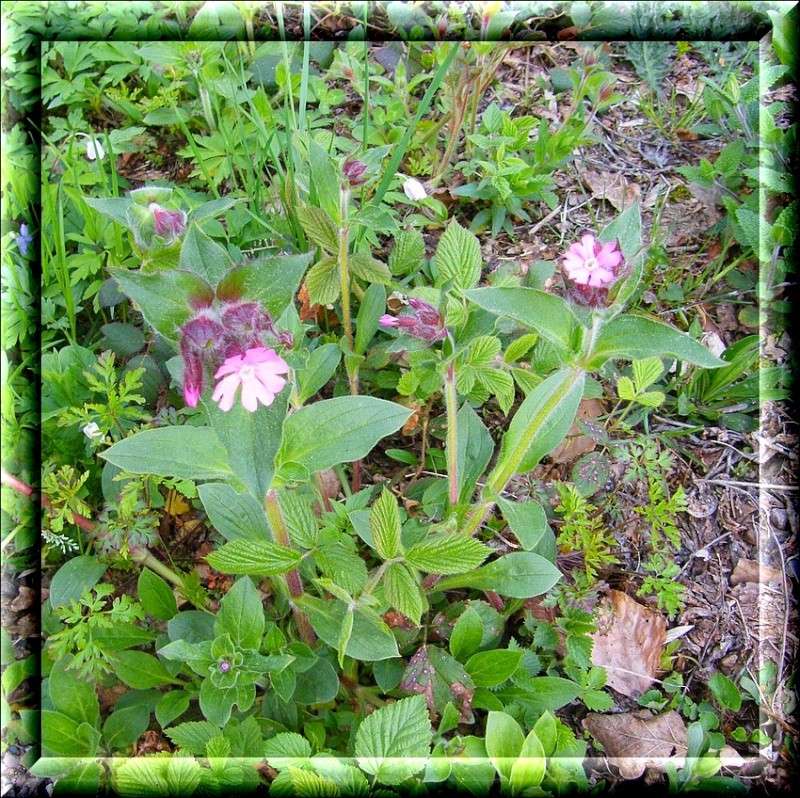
x=414, y=190
x=167, y=224
x=354, y=171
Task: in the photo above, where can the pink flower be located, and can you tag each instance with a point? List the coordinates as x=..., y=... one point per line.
x=423, y=322
x=167, y=224
x=257, y=371
x=590, y=263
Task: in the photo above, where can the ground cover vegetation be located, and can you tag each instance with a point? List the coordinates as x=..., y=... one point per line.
x=403, y=409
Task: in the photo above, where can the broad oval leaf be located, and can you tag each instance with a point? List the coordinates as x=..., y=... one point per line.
x=204, y=256
x=521, y=574
x=166, y=297
x=631, y=337
x=184, y=451
x=339, y=430
x=234, y=515
x=546, y=313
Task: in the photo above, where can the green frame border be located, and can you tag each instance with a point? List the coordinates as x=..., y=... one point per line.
x=25, y=24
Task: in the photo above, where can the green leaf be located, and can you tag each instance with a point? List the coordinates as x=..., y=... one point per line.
x=393, y=742
x=241, y=614
x=370, y=310
x=529, y=524
x=475, y=450
x=140, y=670
x=272, y=281
x=631, y=337
x=529, y=770
x=725, y=691
x=504, y=740
x=318, y=685
x=543, y=693
x=646, y=372
x=538, y=426
x=171, y=706
x=123, y=727
x=521, y=574
x=115, y=208
x=236, y=516
x=319, y=368
x=490, y=668
x=338, y=430
x=369, y=269
x=407, y=253
x=203, y=256
x=546, y=729
x=63, y=736
x=458, y=258
x=192, y=736
x=319, y=228
x=258, y=558
x=626, y=389
x=156, y=596
x=299, y=518
x=212, y=208
x=402, y=591
x=251, y=440
x=71, y=695
x=185, y=452
x=548, y=314
x=447, y=554
x=74, y=578
x=370, y=640
x=165, y=297
x=384, y=522
x=322, y=280
x=467, y=634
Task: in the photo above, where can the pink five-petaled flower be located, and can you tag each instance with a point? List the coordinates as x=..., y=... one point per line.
x=590, y=263
x=257, y=371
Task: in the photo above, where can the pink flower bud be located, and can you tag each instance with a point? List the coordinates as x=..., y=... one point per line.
x=167, y=224
x=354, y=171
x=387, y=321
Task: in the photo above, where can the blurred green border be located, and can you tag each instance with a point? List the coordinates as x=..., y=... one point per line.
x=25, y=24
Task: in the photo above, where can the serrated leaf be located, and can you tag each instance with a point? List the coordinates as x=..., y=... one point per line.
x=323, y=281
x=626, y=389
x=407, y=253
x=646, y=371
x=402, y=591
x=447, y=554
x=458, y=257
x=319, y=227
x=254, y=558
x=369, y=269
x=393, y=743
x=299, y=518
x=384, y=521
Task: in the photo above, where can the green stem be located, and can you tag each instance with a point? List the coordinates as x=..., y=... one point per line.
x=509, y=464
x=451, y=407
x=344, y=270
x=293, y=579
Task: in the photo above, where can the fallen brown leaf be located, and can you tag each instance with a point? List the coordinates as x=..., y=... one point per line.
x=634, y=741
x=628, y=643
x=753, y=571
x=576, y=443
x=612, y=187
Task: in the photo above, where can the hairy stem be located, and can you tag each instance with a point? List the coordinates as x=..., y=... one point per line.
x=451, y=407
x=293, y=579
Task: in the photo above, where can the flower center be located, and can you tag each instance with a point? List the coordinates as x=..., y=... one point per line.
x=246, y=372
x=224, y=666
x=591, y=263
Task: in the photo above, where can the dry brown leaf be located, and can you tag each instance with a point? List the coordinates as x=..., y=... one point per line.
x=753, y=571
x=576, y=443
x=628, y=643
x=634, y=741
x=612, y=187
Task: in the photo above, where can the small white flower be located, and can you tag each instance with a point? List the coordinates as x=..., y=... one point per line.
x=91, y=431
x=94, y=149
x=414, y=190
